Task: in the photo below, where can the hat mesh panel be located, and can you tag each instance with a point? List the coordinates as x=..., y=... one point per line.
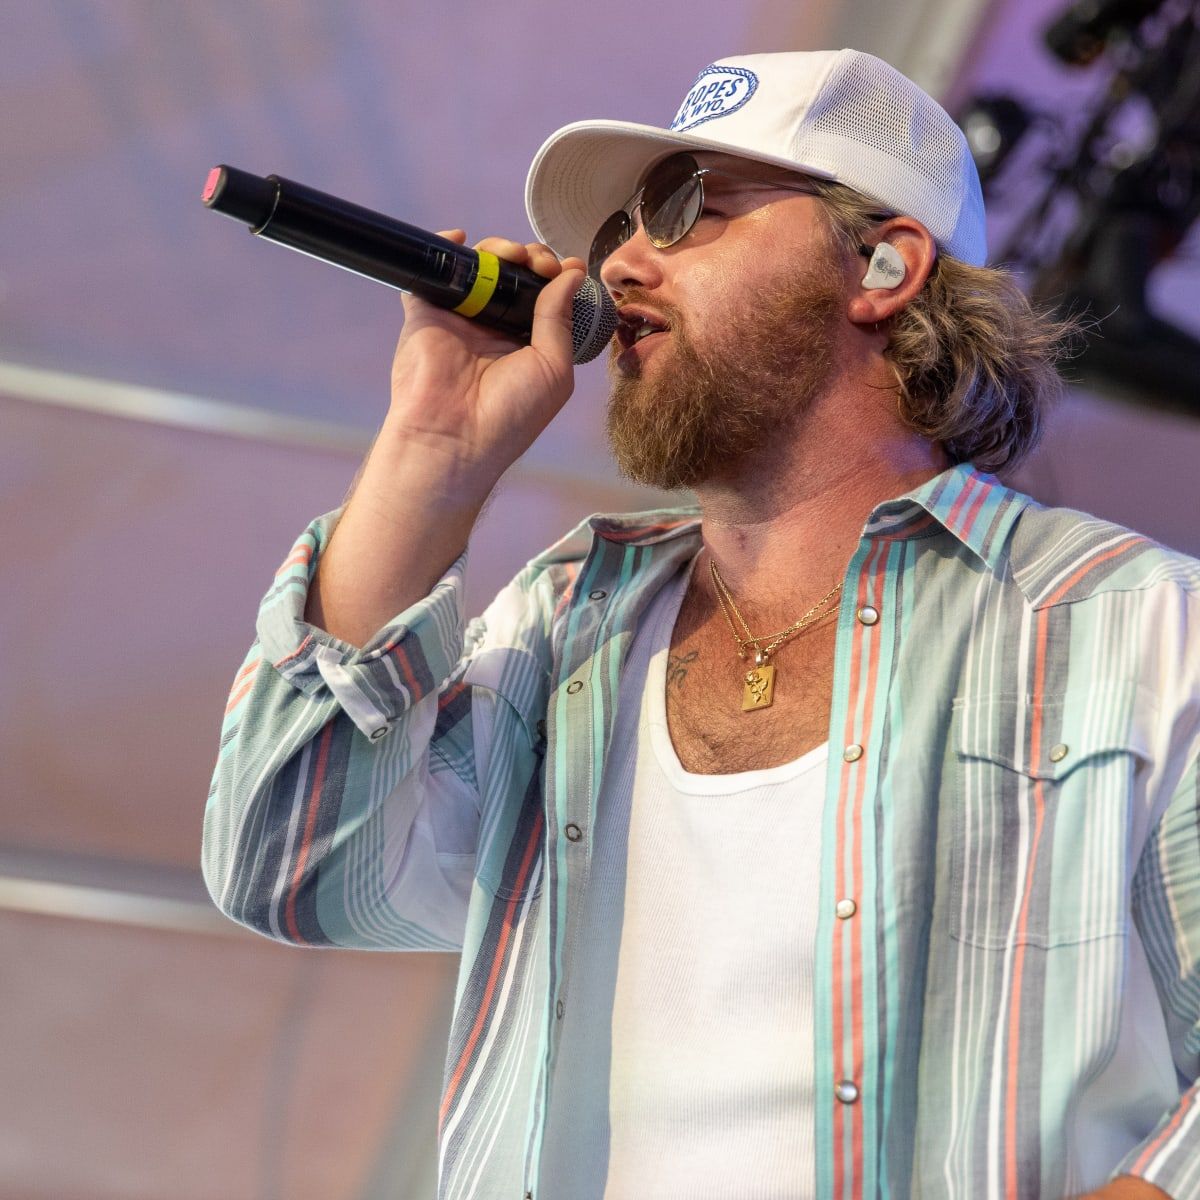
x=865, y=105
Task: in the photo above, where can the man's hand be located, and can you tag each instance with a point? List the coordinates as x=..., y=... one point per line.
x=466, y=402
x=465, y=394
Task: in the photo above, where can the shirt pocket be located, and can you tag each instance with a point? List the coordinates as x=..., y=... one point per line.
x=1040, y=814
x=509, y=749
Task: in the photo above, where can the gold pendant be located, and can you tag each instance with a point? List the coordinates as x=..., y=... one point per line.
x=759, y=688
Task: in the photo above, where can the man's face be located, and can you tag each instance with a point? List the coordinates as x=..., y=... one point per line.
x=744, y=306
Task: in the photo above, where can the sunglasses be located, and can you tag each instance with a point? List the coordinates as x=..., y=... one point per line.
x=669, y=204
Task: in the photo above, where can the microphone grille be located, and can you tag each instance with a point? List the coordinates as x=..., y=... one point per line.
x=594, y=321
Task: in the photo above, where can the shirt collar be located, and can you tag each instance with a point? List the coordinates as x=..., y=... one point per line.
x=976, y=508
x=647, y=528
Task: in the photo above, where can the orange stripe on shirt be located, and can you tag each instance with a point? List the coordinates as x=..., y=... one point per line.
x=451, y=694
x=570, y=571
x=1014, y=1012
x=1155, y=1145
x=308, y=637
x=240, y=688
x=493, y=974
x=1039, y=803
x=869, y=635
x=956, y=508
x=643, y=531
x=248, y=669
x=310, y=824
x=839, y=932
x=236, y=697
x=849, y=802
x=1090, y=565
x=410, y=678
x=976, y=505
x=913, y=529
x=299, y=557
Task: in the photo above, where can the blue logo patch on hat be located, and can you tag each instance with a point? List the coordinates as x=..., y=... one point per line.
x=717, y=92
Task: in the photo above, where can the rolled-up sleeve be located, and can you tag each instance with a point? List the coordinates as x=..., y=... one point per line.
x=332, y=819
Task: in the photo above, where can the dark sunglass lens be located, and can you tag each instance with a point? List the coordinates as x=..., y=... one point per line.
x=613, y=233
x=671, y=199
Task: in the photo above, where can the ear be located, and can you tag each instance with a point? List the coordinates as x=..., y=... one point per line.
x=901, y=253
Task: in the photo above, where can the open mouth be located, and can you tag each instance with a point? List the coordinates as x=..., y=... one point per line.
x=635, y=326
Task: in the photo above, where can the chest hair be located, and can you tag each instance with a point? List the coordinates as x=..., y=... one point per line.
x=710, y=732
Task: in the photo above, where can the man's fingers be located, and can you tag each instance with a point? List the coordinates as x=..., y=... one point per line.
x=543, y=260
x=552, y=318
x=534, y=255
x=552, y=321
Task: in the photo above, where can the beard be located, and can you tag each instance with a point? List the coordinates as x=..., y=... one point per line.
x=706, y=411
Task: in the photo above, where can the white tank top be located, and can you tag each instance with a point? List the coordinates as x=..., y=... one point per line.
x=685, y=1067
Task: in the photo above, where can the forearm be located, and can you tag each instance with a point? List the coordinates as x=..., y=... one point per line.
x=408, y=519
x=466, y=403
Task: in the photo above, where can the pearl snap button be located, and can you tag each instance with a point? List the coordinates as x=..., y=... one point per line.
x=1058, y=753
x=853, y=752
x=846, y=1091
x=868, y=615
x=845, y=909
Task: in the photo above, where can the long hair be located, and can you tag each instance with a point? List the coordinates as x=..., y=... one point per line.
x=974, y=361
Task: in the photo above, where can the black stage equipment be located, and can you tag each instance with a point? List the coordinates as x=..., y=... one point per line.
x=1118, y=190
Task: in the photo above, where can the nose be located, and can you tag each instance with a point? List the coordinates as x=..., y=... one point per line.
x=635, y=263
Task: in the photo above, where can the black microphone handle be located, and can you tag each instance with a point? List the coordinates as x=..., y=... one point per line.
x=498, y=294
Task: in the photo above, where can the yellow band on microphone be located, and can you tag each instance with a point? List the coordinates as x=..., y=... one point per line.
x=486, y=278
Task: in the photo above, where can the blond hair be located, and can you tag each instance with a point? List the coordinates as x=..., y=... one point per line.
x=975, y=362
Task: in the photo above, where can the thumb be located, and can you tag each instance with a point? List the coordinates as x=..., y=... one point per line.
x=552, y=315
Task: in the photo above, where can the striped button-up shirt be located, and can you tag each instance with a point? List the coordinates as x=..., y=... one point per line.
x=1012, y=805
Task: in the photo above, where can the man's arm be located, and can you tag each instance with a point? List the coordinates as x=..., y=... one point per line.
x=335, y=817
x=465, y=406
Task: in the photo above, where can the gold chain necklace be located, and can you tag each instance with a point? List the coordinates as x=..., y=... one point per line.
x=758, y=690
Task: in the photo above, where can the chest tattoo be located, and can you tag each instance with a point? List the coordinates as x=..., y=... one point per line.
x=677, y=667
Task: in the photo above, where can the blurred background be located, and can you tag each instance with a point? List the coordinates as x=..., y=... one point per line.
x=178, y=400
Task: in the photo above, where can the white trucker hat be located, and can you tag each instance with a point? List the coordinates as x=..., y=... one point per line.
x=837, y=114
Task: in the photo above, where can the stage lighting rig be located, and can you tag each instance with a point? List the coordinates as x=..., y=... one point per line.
x=1115, y=193
x=1084, y=31
x=993, y=126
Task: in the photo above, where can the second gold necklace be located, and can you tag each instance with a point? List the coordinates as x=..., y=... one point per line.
x=758, y=684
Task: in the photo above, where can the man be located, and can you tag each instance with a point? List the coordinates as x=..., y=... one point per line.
x=837, y=840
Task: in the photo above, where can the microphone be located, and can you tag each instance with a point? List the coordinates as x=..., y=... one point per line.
x=472, y=283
